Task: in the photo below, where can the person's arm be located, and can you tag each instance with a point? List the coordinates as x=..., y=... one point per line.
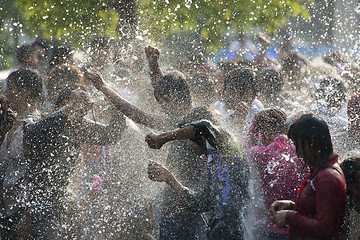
x=152, y=55
x=197, y=201
x=158, y=173
x=100, y=134
x=156, y=141
x=129, y=110
x=329, y=209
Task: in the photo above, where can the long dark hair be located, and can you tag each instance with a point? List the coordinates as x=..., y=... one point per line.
x=314, y=132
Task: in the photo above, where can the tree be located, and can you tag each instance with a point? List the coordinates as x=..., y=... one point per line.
x=76, y=20
x=214, y=19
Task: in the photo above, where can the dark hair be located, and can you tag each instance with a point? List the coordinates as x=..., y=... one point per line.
x=172, y=85
x=27, y=79
x=23, y=53
x=65, y=94
x=60, y=54
x=291, y=62
x=332, y=91
x=270, y=81
x=351, y=170
x=201, y=86
x=61, y=77
x=45, y=44
x=276, y=122
x=199, y=113
x=227, y=66
x=241, y=80
x=314, y=131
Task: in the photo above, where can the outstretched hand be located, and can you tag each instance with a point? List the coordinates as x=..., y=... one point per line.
x=158, y=173
x=96, y=79
x=154, y=141
x=152, y=53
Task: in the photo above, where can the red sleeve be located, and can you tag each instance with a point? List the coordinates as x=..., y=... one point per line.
x=329, y=208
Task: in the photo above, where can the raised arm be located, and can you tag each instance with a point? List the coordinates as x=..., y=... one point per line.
x=156, y=141
x=129, y=110
x=152, y=55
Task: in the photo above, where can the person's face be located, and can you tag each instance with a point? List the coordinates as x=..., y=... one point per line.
x=15, y=96
x=38, y=56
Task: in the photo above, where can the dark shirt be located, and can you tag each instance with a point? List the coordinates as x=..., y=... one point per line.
x=51, y=147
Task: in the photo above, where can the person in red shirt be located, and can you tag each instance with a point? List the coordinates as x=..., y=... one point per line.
x=319, y=209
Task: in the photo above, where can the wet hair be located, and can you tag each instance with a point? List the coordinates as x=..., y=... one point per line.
x=65, y=93
x=270, y=82
x=45, y=44
x=201, y=86
x=27, y=79
x=227, y=66
x=23, y=53
x=331, y=91
x=291, y=62
x=351, y=170
x=277, y=121
x=172, y=85
x=314, y=132
x=241, y=80
x=60, y=54
x=61, y=77
x=199, y=113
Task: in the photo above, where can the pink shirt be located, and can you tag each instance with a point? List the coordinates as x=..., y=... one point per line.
x=280, y=170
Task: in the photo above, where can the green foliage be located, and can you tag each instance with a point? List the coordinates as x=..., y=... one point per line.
x=75, y=20
x=212, y=19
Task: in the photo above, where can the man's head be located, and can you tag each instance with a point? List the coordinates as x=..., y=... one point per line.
x=173, y=93
x=76, y=99
x=239, y=86
x=270, y=82
x=61, y=77
x=100, y=52
x=60, y=54
x=351, y=169
x=23, y=86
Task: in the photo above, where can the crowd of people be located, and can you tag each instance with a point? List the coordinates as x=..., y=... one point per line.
x=248, y=149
